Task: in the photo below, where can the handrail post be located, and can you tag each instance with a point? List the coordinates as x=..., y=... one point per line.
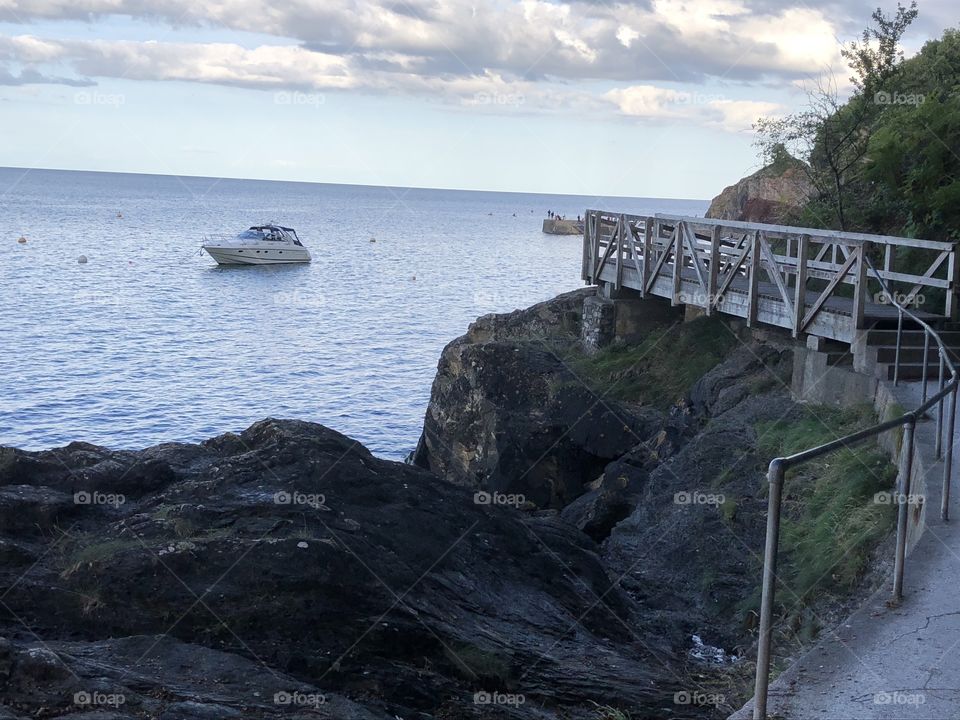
x=620, y=234
x=948, y=461
x=677, y=262
x=896, y=360
x=775, y=476
x=585, y=274
x=938, y=450
x=648, y=229
x=903, y=495
x=926, y=354
x=753, y=292
x=860, y=288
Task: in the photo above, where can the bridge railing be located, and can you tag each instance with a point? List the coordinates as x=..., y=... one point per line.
x=719, y=265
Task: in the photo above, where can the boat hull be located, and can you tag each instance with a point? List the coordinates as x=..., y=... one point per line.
x=250, y=255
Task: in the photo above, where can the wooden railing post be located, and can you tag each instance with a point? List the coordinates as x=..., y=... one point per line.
x=860, y=288
x=620, y=233
x=753, y=295
x=648, y=229
x=586, y=264
x=677, y=262
x=800, y=299
x=953, y=274
x=715, y=239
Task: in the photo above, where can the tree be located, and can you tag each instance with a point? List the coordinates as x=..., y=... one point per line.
x=833, y=136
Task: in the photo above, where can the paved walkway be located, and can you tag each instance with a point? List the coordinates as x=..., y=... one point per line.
x=893, y=664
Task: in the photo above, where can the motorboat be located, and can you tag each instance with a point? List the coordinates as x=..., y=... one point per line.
x=258, y=245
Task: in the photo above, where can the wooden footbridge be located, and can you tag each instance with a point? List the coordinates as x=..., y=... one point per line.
x=805, y=280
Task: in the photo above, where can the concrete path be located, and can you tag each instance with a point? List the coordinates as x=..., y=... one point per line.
x=894, y=664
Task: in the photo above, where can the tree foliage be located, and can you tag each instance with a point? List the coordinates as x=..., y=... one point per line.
x=888, y=158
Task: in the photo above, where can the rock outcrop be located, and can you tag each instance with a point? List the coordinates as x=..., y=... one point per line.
x=773, y=194
x=207, y=581
x=508, y=414
x=690, y=547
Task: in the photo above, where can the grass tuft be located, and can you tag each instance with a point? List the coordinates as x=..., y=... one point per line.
x=659, y=370
x=831, y=520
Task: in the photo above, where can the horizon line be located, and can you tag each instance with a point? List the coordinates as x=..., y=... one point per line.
x=28, y=170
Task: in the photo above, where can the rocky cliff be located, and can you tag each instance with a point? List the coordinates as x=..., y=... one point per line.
x=774, y=194
x=512, y=411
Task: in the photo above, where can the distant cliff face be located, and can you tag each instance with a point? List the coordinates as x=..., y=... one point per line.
x=771, y=195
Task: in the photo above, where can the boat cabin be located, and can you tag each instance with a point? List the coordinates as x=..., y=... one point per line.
x=269, y=233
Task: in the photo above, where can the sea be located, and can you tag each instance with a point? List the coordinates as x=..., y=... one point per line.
x=149, y=341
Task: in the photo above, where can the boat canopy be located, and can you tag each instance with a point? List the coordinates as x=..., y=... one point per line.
x=269, y=233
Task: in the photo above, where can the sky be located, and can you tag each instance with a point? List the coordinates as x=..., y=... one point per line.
x=647, y=98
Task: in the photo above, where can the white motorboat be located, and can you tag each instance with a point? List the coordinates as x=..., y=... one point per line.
x=260, y=245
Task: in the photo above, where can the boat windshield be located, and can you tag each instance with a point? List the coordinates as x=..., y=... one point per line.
x=251, y=235
x=260, y=234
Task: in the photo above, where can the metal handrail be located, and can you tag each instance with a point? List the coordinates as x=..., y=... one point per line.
x=779, y=466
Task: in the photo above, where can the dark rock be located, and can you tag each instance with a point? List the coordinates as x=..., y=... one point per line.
x=290, y=547
x=613, y=496
x=691, y=545
x=507, y=414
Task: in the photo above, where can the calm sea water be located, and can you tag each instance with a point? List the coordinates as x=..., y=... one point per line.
x=150, y=342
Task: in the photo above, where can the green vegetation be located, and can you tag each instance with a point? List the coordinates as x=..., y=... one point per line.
x=659, y=370
x=96, y=552
x=606, y=712
x=473, y=662
x=831, y=520
x=887, y=160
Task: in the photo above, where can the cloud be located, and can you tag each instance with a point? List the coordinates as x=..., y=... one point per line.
x=32, y=77
x=673, y=40
x=651, y=103
x=485, y=56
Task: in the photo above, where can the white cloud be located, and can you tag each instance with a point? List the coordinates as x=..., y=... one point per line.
x=626, y=35
x=682, y=40
x=462, y=51
x=650, y=103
